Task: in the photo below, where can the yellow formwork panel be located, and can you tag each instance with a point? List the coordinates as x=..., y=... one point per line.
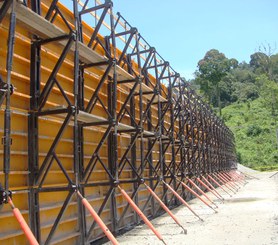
x=51, y=203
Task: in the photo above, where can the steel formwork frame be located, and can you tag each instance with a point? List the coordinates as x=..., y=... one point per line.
x=173, y=135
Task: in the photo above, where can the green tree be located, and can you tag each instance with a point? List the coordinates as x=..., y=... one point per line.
x=264, y=62
x=274, y=67
x=243, y=83
x=260, y=62
x=211, y=70
x=268, y=92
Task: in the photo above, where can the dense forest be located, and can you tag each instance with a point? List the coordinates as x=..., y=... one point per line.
x=245, y=96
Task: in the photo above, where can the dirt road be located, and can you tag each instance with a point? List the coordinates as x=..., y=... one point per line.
x=249, y=217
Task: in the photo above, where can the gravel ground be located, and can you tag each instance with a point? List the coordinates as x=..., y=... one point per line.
x=249, y=217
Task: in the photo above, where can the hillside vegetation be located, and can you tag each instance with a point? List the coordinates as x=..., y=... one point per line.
x=255, y=132
x=245, y=96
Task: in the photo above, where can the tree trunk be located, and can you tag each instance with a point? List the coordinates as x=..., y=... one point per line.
x=218, y=99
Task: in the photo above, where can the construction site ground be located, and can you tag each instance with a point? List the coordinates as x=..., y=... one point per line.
x=249, y=217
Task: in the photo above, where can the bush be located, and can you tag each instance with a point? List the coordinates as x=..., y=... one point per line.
x=226, y=117
x=275, y=157
x=253, y=130
x=246, y=118
x=238, y=156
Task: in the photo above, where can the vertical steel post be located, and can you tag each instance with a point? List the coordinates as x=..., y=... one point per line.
x=33, y=129
x=172, y=128
x=7, y=115
x=77, y=130
x=112, y=101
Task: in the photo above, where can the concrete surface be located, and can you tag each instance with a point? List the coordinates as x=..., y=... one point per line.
x=249, y=217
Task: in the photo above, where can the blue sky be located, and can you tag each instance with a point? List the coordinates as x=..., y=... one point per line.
x=184, y=30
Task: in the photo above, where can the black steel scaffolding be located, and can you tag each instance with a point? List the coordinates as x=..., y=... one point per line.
x=120, y=89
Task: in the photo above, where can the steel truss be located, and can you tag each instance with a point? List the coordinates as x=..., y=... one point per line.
x=120, y=90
